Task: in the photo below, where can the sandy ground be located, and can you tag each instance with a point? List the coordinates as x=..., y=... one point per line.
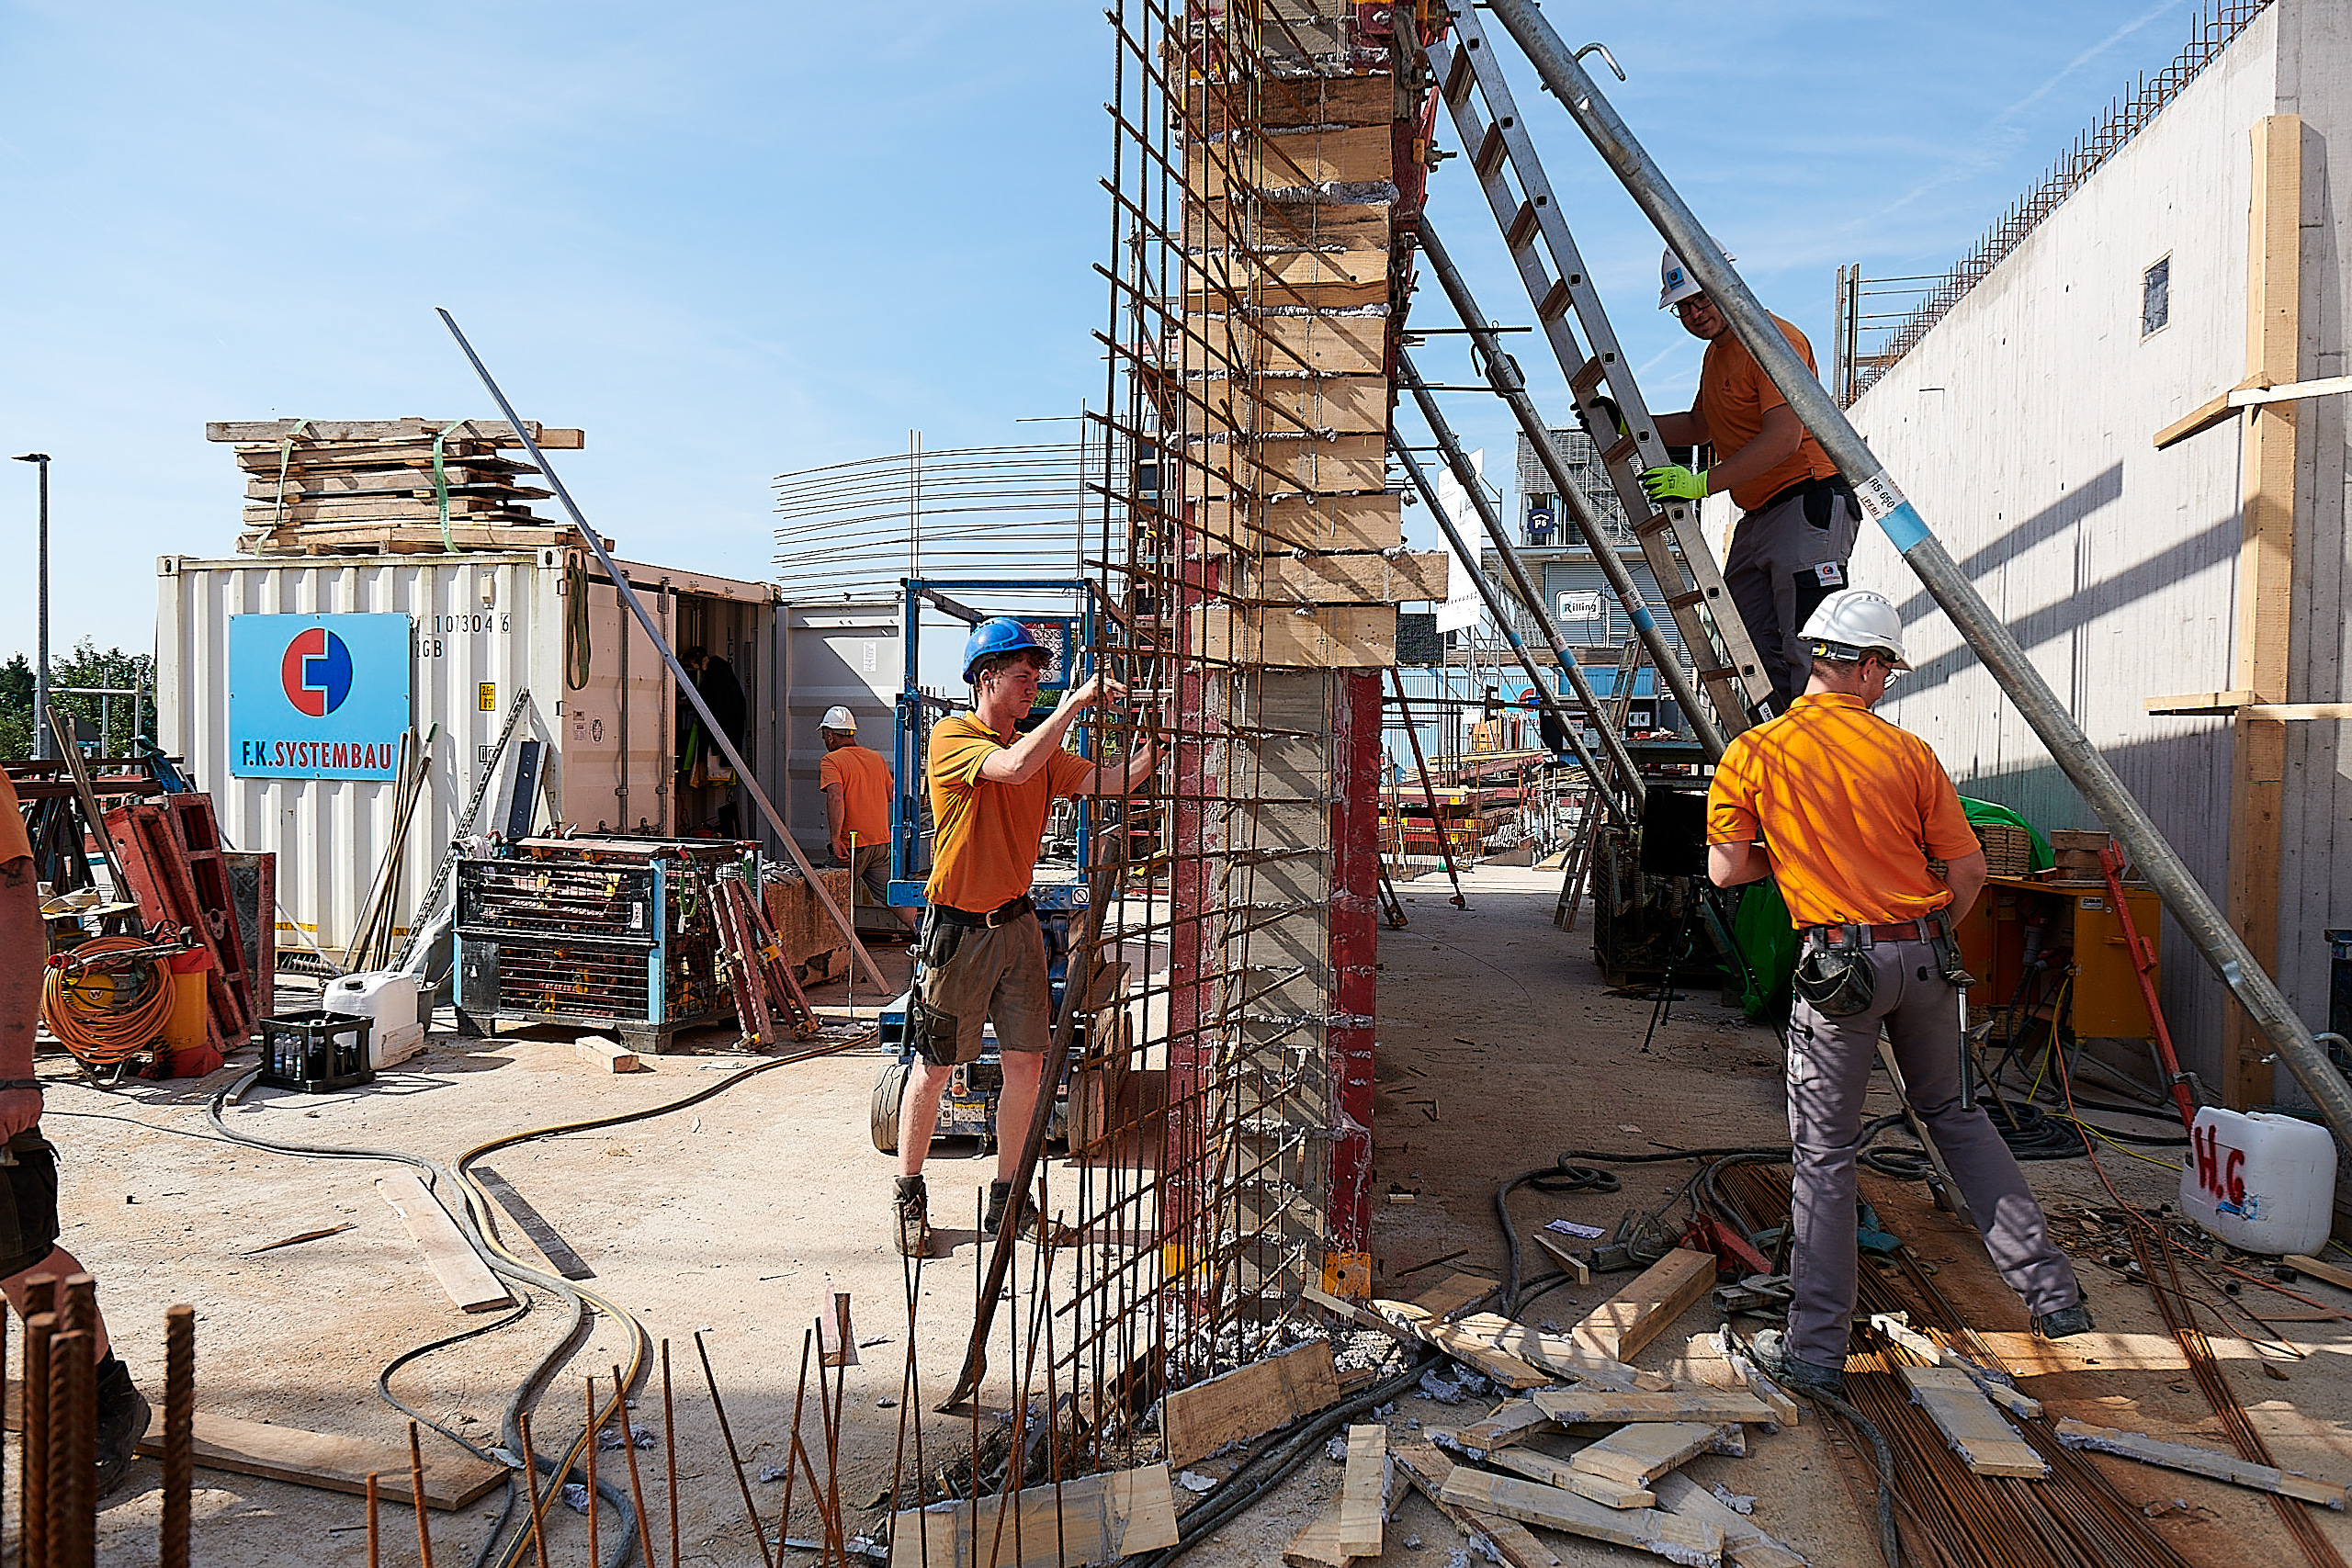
x=741, y=1216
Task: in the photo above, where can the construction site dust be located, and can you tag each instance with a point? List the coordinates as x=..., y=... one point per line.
x=1222, y=986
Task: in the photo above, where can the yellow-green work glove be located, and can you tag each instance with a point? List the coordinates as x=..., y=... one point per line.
x=1674, y=482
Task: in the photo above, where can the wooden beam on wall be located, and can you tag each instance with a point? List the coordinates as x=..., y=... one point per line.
x=2266, y=569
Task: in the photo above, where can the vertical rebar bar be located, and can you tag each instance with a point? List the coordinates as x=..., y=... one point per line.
x=734, y=1455
x=531, y=1490
x=416, y=1496
x=375, y=1541
x=32, y=1509
x=73, y=1446
x=179, y=1431
x=636, y=1487
x=595, y=1541
x=669, y=1452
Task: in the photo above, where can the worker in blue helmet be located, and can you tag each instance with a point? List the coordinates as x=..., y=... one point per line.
x=983, y=953
x=996, y=637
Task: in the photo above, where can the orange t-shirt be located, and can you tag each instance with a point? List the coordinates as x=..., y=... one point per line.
x=1848, y=808
x=1733, y=396
x=13, y=844
x=984, y=843
x=865, y=781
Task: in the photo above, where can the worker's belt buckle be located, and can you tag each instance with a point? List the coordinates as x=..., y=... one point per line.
x=1003, y=915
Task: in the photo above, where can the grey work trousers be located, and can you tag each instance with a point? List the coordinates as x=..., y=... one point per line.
x=1785, y=558
x=1829, y=1062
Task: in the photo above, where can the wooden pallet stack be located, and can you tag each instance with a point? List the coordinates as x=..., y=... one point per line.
x=342, y=487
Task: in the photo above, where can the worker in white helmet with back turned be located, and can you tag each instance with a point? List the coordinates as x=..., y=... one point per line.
x=1844, y=810
x=1797, y=517
x=856, y=783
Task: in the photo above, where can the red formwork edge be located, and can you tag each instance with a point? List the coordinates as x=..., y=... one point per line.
x=169, y=853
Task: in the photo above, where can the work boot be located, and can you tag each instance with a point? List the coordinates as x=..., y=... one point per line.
x=1030, y=1225
x=2065, y=1321
x=123, y=1416
x=1771, y=1357
x=911, y=1203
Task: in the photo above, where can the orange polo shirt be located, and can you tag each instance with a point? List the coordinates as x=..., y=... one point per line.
x=865, y=781
x=1849, y=808
x=1733, y=396
x=984, y=843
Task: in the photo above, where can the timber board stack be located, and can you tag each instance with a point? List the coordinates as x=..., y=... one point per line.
x=367, y=487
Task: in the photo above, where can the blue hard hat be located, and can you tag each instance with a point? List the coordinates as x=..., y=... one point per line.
x=1001, y=635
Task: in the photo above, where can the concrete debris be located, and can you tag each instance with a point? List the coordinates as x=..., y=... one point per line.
x=1737, y=1502
x=1194, y=1481
x=575, y=1497
x=1442, y=1391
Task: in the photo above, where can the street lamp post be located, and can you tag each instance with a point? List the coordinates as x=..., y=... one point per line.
x=40, y=665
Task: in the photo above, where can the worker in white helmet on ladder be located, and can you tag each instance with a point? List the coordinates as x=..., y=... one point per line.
x=1797, y=517
x=1844, y=809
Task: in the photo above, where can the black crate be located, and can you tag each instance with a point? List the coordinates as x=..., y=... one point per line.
x=314, y=1052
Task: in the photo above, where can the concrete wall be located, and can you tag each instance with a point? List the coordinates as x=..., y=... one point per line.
x=2022, y=427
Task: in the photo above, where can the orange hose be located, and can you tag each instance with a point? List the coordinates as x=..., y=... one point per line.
x=94, y=1013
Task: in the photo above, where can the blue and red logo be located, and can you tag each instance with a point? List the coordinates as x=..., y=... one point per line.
x=319, y=696
x=316, y=671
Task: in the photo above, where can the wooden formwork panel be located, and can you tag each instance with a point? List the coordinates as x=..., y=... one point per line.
x=1266, y=228
x=1340, y=155
x=1223, y=280
x=1344, y=465
x=1319, y=100
x=1338, y=405
x=1304, y=345
x=1355, y=577
x=1329, y=637
x=1367, y=521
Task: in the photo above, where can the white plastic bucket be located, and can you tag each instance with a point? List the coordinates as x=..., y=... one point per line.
x=2259, y=1181
x=388, y=998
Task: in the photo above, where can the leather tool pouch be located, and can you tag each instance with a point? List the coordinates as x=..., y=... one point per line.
x=1835, y=978
x=932, y=1032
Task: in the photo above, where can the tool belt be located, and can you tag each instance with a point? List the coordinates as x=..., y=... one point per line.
x=1926, y=928
x=1004, y=914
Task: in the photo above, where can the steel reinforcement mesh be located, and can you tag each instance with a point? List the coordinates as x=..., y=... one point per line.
x=1219, y=1103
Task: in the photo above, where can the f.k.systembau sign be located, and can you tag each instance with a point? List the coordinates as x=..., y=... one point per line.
x=317, y=696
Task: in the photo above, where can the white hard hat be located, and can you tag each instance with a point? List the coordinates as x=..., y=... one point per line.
x=1853, y=622
x=839, y=719
x=1675, y=283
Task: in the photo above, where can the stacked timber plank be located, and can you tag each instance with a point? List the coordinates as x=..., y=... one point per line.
x=1281, y=386
x=337, y=487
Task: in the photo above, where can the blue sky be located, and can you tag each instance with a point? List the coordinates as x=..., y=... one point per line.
x=729, y=241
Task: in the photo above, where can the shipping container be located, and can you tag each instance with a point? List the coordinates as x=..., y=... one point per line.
x=484, y=632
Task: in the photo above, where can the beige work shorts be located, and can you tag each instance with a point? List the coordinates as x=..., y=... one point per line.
x=989, y=975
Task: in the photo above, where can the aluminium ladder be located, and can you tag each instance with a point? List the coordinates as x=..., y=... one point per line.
x=1684, y=568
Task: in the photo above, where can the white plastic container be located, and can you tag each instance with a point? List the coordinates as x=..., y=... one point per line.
x=388, y=1000
x=2260, y=1182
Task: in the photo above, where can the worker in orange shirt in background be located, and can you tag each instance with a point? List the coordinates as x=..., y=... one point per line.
x=1843, y=809
x=983, y=953
x=856, y=783
x=1797, y=518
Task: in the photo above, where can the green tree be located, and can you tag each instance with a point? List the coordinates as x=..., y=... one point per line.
x=16, y=708
x=85, y=666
